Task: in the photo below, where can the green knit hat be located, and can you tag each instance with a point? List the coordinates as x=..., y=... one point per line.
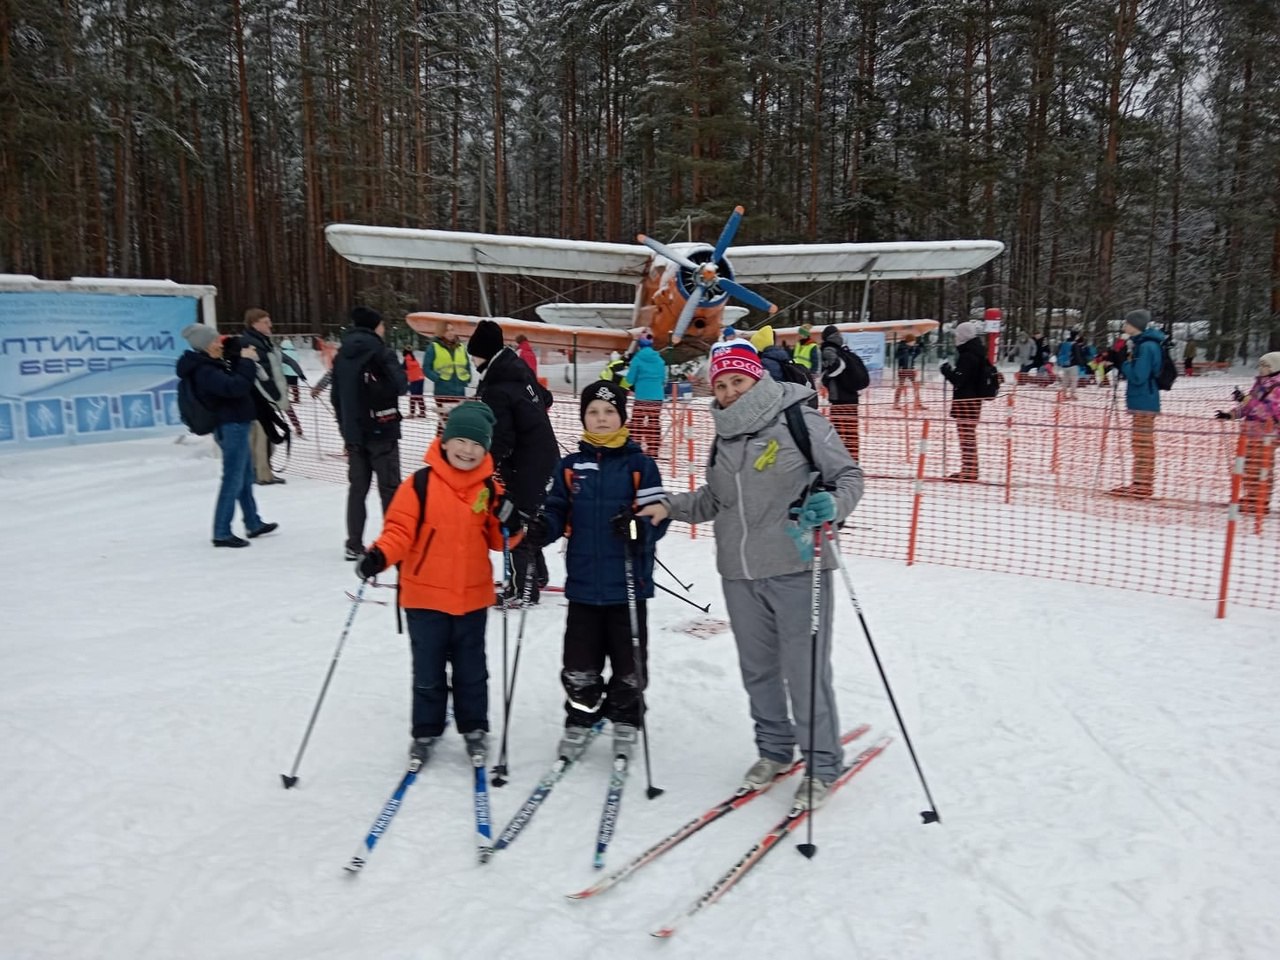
x=472, y=420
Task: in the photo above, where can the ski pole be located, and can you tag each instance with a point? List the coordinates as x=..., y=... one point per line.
x=928, y=816
x=291, y=777
x=809, y=848
x=684, y=586
x=706, y=609
x=652, y=792
x=500, y=771
x=502, y=599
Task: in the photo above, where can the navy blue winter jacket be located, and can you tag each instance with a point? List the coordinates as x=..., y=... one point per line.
x=224, y=389
x=588, y=489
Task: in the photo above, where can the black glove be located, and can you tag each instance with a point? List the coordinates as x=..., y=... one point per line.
x=1237, y=394
x=504, y=509
x=231, y=350
x=537, y=530
x=1222, y=415
x=370, y=564
x=945, y=369
x=628, y=526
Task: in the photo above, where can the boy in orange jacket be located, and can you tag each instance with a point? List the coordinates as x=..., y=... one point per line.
x=440, y=527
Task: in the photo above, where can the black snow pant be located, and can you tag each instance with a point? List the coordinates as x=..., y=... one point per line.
x=521, y=554
x=374, y=458
x=591, y=635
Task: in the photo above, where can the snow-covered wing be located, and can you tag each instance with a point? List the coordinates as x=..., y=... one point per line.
x=489, y=253
x=908, y=260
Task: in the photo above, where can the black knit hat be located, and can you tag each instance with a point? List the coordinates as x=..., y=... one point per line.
x=607, y=391
x=486, y=340
x=365, y=317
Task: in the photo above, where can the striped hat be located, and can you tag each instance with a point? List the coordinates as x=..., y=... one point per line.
x=737, y=356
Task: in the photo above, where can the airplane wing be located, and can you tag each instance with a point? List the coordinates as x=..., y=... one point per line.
x=488, y=253
x=906, y=260
x=559, y=336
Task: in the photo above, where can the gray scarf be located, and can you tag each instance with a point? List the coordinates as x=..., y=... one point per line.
x=751, y=412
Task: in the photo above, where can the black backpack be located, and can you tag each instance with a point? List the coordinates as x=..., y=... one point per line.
x=379, y=398
x=1168, y=371
x=854, y=377
x=793, y=372
x=1077, y=354
x=199, y=419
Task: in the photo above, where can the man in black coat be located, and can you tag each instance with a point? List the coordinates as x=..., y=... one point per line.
x=367, y=382
x=525, y=451
x=968, y=378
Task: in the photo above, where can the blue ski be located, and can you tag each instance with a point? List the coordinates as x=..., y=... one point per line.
x=380, y=825
x=484, y=827
x=540, y=793
x=612, y=804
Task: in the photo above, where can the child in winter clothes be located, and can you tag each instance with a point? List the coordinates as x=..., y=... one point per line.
x=442, y=540
x=1259, y=414
x=593, y=495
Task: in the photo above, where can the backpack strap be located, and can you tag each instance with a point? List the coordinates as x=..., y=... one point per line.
x=796, y=426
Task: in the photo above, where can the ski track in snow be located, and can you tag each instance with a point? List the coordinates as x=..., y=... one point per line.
x=1104, y=762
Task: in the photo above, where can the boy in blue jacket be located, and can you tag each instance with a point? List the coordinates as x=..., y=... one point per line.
x=594, y=495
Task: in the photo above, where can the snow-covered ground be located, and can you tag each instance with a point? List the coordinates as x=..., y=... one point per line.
x=1105, y=762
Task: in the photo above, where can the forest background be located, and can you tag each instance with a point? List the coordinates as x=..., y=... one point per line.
x=1127, y=152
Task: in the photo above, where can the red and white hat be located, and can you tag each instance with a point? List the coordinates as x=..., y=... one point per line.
x=735, y=356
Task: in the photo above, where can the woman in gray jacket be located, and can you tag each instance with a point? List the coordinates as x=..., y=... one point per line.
x=762, y=495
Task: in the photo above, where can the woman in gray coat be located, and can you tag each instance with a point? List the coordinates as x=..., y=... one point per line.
x=762, y=496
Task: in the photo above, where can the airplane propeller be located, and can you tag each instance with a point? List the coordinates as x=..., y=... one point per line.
x=706, y=279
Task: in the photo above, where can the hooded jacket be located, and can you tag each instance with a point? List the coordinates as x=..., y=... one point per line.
x=832, y=367
x=758, y=473
x=445, y=550
x=967, y=376
x=1261, y=408
x=589, y=489
x=224, y=389
x=524, y=447
x=647, y=374
x=360, y=348
x=1141, y=395
x=275, y=387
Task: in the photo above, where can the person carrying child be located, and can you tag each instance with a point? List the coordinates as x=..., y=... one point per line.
x=440, y=527
x=593, y=497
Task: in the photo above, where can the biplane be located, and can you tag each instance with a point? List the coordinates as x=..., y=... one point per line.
x=682, y=290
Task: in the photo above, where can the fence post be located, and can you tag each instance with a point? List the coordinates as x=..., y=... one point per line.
x=1265, y=469
x=919, y=495
x=693, y=527
x=1233, y=513
x=1057, y=438
x=1008, y=452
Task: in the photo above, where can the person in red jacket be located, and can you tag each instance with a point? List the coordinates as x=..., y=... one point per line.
x=525, y=349
x=441, y=533
x=413, y=371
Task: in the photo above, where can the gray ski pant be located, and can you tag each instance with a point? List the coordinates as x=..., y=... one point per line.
x=770, y=620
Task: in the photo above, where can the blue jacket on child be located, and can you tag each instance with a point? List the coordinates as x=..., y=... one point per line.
x=588, y=490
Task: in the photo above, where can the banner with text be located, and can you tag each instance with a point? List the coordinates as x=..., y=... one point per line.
x=89, y=367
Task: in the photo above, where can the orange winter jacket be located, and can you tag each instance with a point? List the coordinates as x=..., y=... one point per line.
x=445, y=554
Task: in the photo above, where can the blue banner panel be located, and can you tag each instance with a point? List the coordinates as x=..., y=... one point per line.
x=88, y=367
x=870, y=346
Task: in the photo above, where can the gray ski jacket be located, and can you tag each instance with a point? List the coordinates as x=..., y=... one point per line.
x=758, y=473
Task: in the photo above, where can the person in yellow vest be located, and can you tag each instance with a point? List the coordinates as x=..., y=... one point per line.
x=806, y=351
x=447, y=365
x=616, y=370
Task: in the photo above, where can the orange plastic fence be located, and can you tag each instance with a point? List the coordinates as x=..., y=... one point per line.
x=1041, y=505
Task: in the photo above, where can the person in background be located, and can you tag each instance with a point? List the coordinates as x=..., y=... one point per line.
x=292, y=374
x=1068, y=366
x=615, y=371
x=442, y=539
x=447, y=365
x=525, y=449
x=842, y=371
x=772, y=355
x=1025, y=353
x=806, y=352
x=417, y=379
x=223, y=377
x=593, y=495
x=1139, y=363
x=368, y=382
x=525, y=349
x=728, y=334
x=1259, y=414
x=1189, y=358
x=647, y=375
x=967, y=377
x=905, y=356
x=272, y=386
x=762, y=496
